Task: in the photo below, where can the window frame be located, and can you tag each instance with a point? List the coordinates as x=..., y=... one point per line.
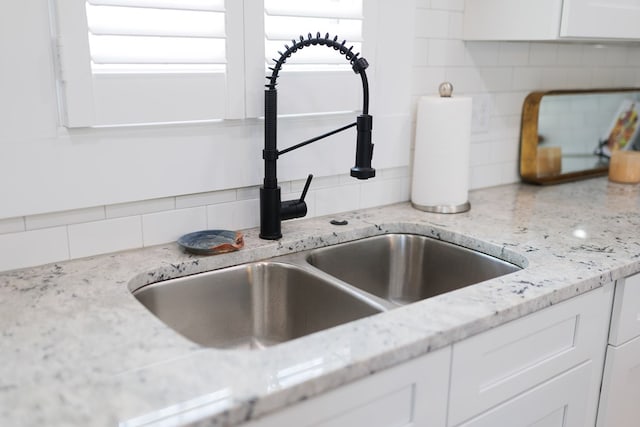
x=96, y=99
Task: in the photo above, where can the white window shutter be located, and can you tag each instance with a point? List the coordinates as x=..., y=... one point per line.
x=74, y=61
x=287, y=19
x=150, y=61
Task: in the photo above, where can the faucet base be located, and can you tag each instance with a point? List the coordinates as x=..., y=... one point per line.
x=270, y=213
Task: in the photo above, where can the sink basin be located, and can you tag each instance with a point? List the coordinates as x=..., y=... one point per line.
x=260, y=304
x=405, y=268
x=252, y=306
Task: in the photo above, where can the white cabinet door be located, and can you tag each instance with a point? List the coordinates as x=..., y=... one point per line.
x=512, y=19
x=551, y=19
x=625, y=321
x=560, y=402
x=413, y=394
x=497, y=365
x=610, y=19
x=620, y=397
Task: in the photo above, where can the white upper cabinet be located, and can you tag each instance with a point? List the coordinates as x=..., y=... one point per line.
x=552, y=20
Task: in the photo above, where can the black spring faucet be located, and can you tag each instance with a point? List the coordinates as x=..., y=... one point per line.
x=272, y=210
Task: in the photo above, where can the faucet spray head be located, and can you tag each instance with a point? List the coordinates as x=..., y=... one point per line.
x=364, y=148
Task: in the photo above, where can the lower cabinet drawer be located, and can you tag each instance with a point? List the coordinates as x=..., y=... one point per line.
x=559, y=402
x=491, y=368
x=620, y=397
x=412, y=394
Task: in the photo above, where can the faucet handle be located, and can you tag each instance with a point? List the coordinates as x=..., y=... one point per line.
x=290, y=209
x=306, y=187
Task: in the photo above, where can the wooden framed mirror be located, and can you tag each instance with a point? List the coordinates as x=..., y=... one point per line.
x=568, y=134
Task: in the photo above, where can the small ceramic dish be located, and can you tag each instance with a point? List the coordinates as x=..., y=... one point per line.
x=211, y=242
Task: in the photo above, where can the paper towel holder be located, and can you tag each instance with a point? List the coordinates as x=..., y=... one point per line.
x=445, y=90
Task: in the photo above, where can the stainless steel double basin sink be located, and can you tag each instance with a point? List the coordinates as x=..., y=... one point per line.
x=260, y=304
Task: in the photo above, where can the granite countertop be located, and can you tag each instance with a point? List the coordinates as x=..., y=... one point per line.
x=77, y=349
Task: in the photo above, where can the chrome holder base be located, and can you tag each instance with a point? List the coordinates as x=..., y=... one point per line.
x=446, y=209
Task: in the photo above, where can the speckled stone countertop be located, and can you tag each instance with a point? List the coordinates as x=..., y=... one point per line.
x=77, y=348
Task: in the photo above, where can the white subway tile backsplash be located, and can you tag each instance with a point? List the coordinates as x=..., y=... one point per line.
x=624, y=77
x=248, y=214
x=317, y=182
x=480, y=153
x=510, y=172
x=496, y=79
x=55, y=219
x=464, y=80
x=553, y=78
x=139, y=208
x=420, y=52
x=399, y=172
x=347, y=179
x=446, y=52
x=633, y=58
x=616, y=55
x=234, y=215
x=204, y=199
x=485, y=176
x=456, y=20
x=505, y=151
x=543, y=54
x=506, y=127
x=221, y=216
x=12, y=225
x=513, y=53
x=525, y=78
x=579, y=78
x=508, y=102
x=35, y=247
x=467, y=80
x=285, y=187
x=448, y=4
x=110, y=235
x=426, y=80
x=594, y=55
x=164, y=227
x=481, y=54
x=384, y=192
x=249, y=192
x=570, y=54
x=602, y=77
x=338, y=199
x=432, y=23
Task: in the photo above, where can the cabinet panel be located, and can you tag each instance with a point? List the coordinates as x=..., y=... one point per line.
x=619, y=401
x=551, y=20
x=496, y=365
x=512, y=19
x=601, y=19
x=409, y=395
x=625, y=322
x=559, y=402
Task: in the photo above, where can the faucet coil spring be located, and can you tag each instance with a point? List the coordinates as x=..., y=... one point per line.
x=357, y=63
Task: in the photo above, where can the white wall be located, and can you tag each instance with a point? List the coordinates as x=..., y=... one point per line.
x=73, y=194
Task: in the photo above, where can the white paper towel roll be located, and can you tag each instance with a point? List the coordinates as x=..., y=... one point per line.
x=441, y=158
